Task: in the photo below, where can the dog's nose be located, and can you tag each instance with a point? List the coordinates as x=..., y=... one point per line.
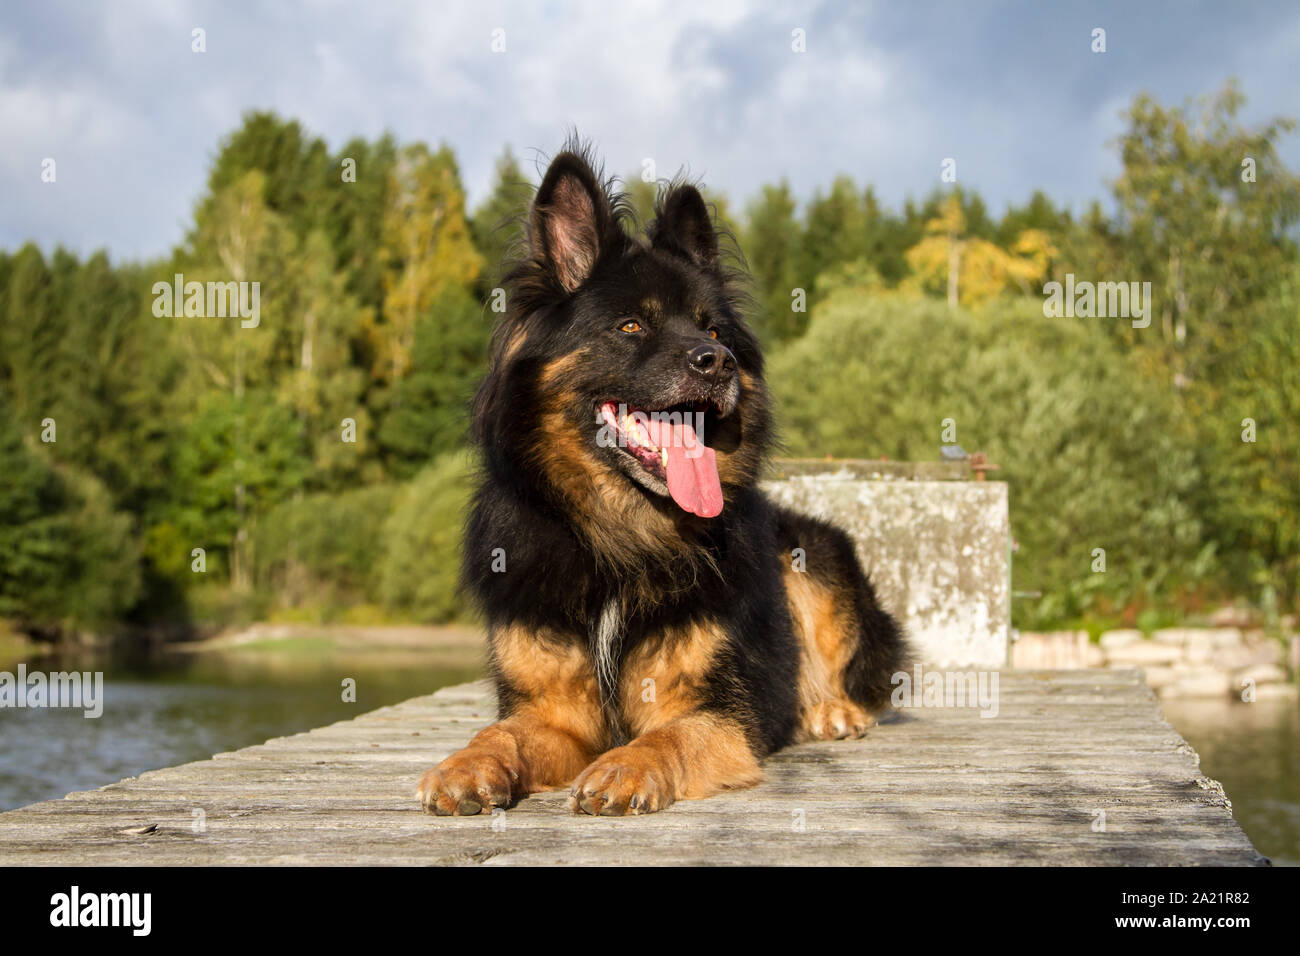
x=715, y=362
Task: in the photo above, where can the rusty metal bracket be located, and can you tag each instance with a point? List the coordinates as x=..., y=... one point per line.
x=979, y=463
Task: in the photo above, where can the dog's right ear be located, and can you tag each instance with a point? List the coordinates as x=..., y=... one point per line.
x=571, y=220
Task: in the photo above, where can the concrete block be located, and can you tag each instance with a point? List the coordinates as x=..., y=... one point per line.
x=1204, y=683
x=1199, y=647
x=1224, y=636
x=1051, y=650
x=1158, y=678
x=1141, y=655
x=1260, y=674
x=1113, y=640
x=937, y=553
x=1247, y=655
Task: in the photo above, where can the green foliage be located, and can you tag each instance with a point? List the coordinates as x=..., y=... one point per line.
x=497, y=223
x=421, y=563
x=1248, y=449
x=428, y=415
x=236, y=459
x=179, y=432
x=1208, y=232
x=294, y=167
x=355, y=224
x=323, y=550
x=1086, y=443
x=427, y=251
x=771, y=243
x=68, y=561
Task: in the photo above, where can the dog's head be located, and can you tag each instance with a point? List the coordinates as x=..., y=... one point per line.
x=624, y=377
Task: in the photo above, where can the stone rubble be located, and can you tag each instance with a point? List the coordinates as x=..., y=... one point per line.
x=1177, y=661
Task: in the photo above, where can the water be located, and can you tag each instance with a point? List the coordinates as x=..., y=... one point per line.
x=1254, y=751
x=165, y=712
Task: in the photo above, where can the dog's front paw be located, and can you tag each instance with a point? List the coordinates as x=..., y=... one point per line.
x=466, y=783
x=625, y=781
x=836, y=720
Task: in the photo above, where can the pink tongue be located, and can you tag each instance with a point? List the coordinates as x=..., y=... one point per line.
x=692, y=468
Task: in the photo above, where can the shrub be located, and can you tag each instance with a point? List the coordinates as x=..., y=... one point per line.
x=420, y=567
x=68, y=561
x=1245, y=429
x=323, y=549
x=1085, y=442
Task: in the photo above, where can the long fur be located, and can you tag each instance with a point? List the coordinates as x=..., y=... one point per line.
x=596, y=561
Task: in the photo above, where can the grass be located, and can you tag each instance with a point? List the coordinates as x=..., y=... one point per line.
x=15, y=647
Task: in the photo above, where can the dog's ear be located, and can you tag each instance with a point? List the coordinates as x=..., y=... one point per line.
x=682, y=226
x=571, y=220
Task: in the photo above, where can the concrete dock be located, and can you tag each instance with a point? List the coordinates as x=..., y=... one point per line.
x=1076, y=768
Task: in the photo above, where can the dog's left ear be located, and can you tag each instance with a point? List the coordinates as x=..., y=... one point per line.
x=682, y=226
x=572, y=220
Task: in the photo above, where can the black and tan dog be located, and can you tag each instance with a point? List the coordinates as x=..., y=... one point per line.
x=657, y=626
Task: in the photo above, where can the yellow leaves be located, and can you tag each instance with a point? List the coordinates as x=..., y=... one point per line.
x=1035, y=246
x=427, y=250
x=950, y=222
x=971, y=270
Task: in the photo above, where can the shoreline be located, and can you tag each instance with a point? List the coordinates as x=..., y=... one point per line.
x=347, y=637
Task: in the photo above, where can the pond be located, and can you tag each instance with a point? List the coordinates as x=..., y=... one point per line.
x=165, y=711
x=1254, y=751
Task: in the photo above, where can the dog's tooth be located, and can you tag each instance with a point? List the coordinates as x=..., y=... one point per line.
x=663, y=457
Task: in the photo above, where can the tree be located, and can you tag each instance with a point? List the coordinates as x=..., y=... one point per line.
x=497, y=223
x=67, y=559
x=972, y=270
x=355, y=222
x=771, y=246
x=31, y=336
x=1087, y=444
x=427, y=250
x=429, y=413
x=1248, y=407
x=237, y=458
x=321, y=384
x=1205, y=208
x=295, y=169
x=834, y=231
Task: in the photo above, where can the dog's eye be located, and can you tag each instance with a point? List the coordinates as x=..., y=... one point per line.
x=631, y=327
x=712, y=333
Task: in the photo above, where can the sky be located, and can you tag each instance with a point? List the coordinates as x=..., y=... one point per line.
x=884, y=92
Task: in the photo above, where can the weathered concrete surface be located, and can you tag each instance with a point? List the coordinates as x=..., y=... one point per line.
x=936, y=551
x=935, y=786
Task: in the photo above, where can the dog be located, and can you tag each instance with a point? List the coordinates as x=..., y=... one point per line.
x=656, y=625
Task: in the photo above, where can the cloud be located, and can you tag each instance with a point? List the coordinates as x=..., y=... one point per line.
x=884, y=92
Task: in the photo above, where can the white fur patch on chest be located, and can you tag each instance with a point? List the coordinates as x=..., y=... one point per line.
x=605, y=645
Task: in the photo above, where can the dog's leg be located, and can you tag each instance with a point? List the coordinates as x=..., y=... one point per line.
x=692, y=756
x=520, y=755
x=552, y=728
x=850, y=648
